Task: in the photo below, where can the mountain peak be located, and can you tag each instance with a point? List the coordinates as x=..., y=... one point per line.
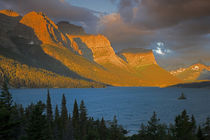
x=45, y=29
x=38, y=17
x=200, y=67
x=10, y=13
x=99, y=46
x=137, y=57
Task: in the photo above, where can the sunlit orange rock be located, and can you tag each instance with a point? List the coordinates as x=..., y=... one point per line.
x=45, y=29
x=100, y=49
x=138, y=57
x=10, y=13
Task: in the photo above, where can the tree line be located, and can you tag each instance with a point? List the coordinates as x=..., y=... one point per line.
x=21, y=75
x=39, y=122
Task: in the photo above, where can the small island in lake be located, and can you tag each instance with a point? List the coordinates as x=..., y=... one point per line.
x=182, y=97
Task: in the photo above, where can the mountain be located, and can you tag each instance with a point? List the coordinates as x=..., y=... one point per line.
x=35, y=52
x=137, y=57
x=192, y=73
x=23, y=60
x=146, y=67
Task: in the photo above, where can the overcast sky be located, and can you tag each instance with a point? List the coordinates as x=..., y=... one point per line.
x=178, y=31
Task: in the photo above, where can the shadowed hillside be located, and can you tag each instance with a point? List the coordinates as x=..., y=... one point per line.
x=198, y=84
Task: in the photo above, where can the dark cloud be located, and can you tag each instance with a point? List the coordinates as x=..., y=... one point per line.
x=56, y=9
x=126, y=9
x=183, y=26
x=164, y=13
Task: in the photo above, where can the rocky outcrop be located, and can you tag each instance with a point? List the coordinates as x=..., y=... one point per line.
x=45, y=29
x=9, y=13
x=138, y=57
x=98, y=44
x=98, y=48
x=70, y=29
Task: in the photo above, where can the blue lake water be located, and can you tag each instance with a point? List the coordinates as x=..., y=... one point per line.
x=131, y=105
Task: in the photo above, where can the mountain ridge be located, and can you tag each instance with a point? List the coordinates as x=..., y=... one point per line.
x=191, y=73
x=38, y=43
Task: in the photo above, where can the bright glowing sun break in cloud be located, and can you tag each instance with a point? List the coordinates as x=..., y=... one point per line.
x=160, y=49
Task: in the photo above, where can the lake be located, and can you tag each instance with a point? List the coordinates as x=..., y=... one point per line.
x=131, y=105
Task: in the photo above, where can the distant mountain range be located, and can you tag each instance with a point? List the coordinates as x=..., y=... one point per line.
x=36, y=52
x=192, y=73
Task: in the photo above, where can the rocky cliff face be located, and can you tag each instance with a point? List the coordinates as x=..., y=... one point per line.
x=37, y=42
x=146, y=67
x=96, y=47
x=8, y=22
x=45, y=29
x=138, y=57
x=190, y=73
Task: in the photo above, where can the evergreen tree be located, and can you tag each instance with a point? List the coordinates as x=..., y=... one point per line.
x=83, y=119
x=57, y=125
x=66, y=122
x=206, y=129
x=184, y=127
x=49, y=114
x=75, y=121
x=7, y=122
x=6, y=97
x=115, y=131
x=142, y=132
x=19, y=117
x=57, y=116
x=193, y=125
x=64, y=112
x=37, y=128
x=102, y=130
x=200, y=134
x=69, y=129
x=49, y=107
x=154, y=130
